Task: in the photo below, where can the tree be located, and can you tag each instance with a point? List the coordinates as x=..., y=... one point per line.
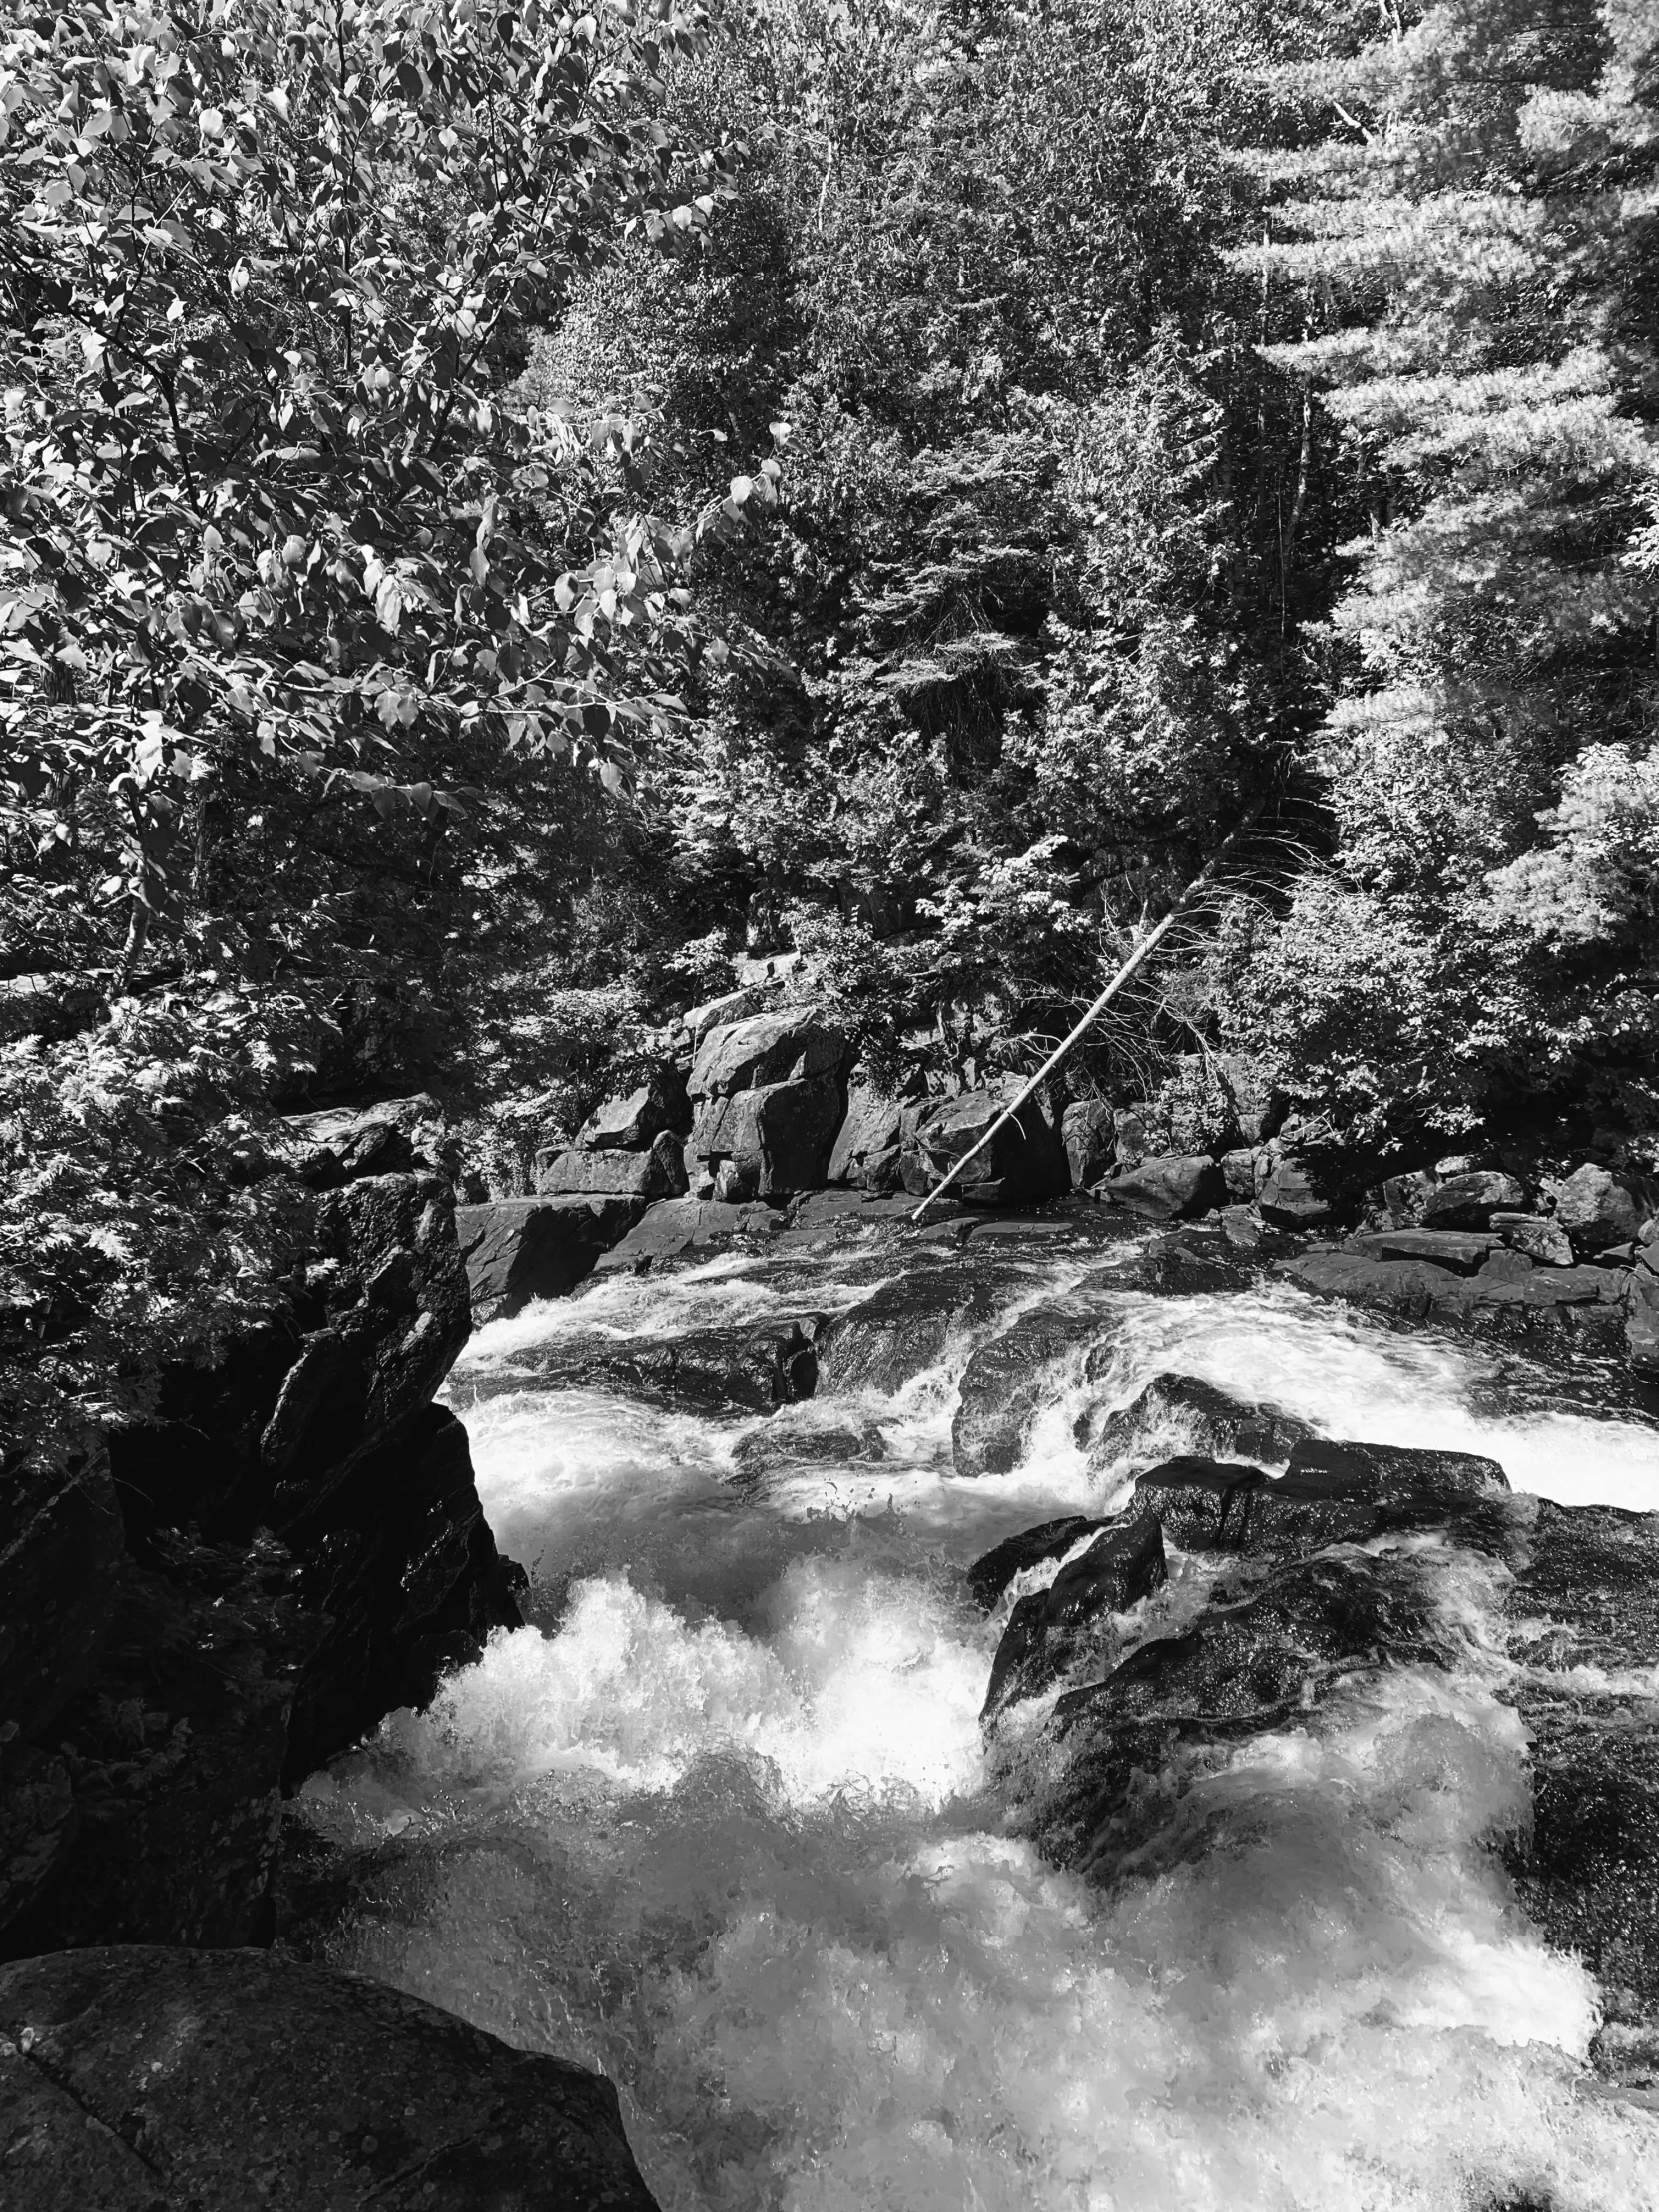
x=282, y=533
x=1476, y=251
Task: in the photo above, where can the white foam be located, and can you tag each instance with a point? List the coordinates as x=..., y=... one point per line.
x=728, y=1833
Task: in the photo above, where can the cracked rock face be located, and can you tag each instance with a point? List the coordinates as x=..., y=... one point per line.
x=137, y=2079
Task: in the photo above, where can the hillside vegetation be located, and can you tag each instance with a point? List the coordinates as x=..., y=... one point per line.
x=511, y=514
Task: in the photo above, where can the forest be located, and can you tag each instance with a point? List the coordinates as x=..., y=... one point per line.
x=513, y=515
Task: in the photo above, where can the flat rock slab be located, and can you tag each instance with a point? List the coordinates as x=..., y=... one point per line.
x=144, y=2080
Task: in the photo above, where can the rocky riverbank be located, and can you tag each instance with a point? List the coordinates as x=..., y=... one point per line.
x=206, y=1604
x=754, y=1110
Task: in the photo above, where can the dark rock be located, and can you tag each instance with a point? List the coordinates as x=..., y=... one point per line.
x=1138, y=1131
x=767, y=1141
x=1088, y=1135
x=789, y=1046
x=1183, y=1263
x=841, y=1443
x=1595, y=1210
x=612, y=1173
x=1641, y=1329
x=1132, y=1745
x=1398, y=1286
x=517, y=1248
x=1585, y=1609
x=1504, y=1265
x=1536, y=1235
x=396, y=1136
x=1469, y=1201
x=1008, y=1381
x=1214, y=1423
x=991, y=1573
x=140, y=2079
x=287, y=1546
x=1289, y=1194
x=1047, y=1628
x=1396, y=1474
x=905, y=1326
x=675, y=1225
x=1456, y=1248
x=401, y=1564
x=62, y=1554
x=174, y=1755
x=755, y=1369
x=866, y=1147
x=1023, y=1163
x=656, y=1106
x=1202, y=1504
x=1165, y=1187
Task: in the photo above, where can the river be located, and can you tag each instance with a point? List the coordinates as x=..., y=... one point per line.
x=720, y=1821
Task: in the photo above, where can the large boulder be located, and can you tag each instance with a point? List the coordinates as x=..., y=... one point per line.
x=1168, y=1186
x=868, y=1145
x=285, y=1545
x=610, y=1172
x=1539, y=1235
x=632, y=1122
x=1289, y=1192
x=783, y=1047
x=141, y=2079
x=1023, y=1163
x=1047, y=1627
x=1188, y=1413
x=517, y=1248
x=1469, y=1201
x=394, y=1136
x=767, y=1141
x=1088, y=1134
x=679, y=1225
x=1595, y=1209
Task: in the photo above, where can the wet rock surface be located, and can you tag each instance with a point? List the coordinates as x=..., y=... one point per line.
x=1361, y=1560
x=138, y=2079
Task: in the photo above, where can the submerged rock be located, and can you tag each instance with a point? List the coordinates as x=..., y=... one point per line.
x=138, y=2079
x=905, y=1324
x=1216, y=1424
x=1046, y=1628
x=753, y=1368
x=1010, y=1381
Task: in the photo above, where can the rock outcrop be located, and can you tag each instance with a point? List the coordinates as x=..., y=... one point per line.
x=517, y=1248
x=869, y=1146
x=217, y=1596
x=139, y=2080
x=1024, y=1163
x=769, y=1100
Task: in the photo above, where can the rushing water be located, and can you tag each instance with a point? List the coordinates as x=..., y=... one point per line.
x=721, y=1823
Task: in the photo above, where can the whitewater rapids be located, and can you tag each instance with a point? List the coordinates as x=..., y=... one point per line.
x=720, y=1821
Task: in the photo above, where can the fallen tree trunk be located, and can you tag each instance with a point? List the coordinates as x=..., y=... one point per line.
x=1137, y=958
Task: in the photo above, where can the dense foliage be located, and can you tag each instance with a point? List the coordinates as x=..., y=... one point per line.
x=510, y=514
